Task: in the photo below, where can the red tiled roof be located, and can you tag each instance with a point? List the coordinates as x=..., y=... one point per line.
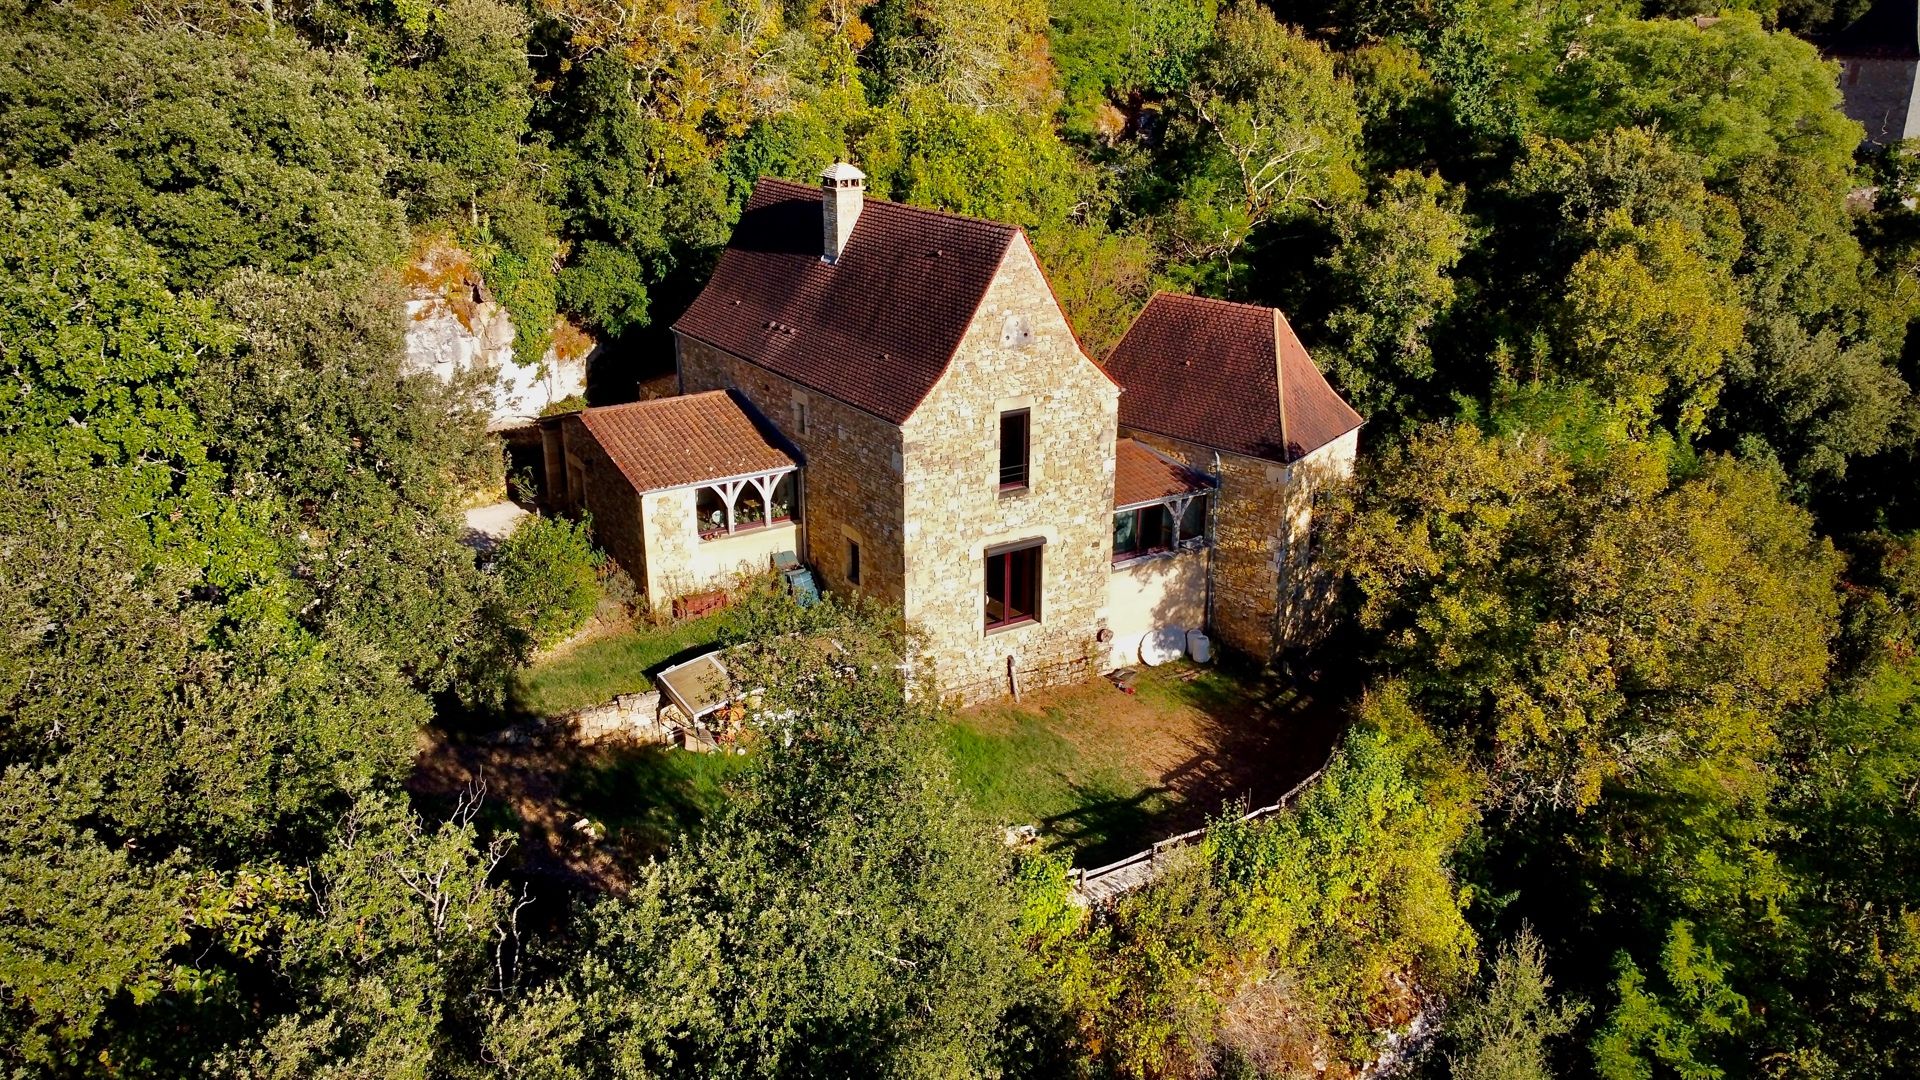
x=1141, y=476
x=1230, y=376
x=875, y=329
x=675, y=441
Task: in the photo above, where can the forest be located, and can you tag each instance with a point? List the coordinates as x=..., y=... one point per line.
x=1632, y=569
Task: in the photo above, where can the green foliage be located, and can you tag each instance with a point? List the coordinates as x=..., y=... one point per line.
x=390, y=949
x=1106, y=50
x=1393, y=271
x=839, y=916
x=1273, y=129
x=462, y=109
x=1333, y=901
x=83, y=925
x=549, y=571
x=1505, y=1031
x=1650, y=321
x=274, y=157
x=1102, y=279
x=929, y=151
x=1729, y=91
x=1676, y=609
x=1669, y=1025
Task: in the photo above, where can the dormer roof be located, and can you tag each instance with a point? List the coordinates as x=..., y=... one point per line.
x=1229, y=376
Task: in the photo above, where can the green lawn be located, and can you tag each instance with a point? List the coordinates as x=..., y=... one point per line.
x=1027, y=773
x=1102, y=773
x=603, y=667
x=646, y=796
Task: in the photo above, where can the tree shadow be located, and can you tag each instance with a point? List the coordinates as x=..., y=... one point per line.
x=584, y=816
x=1107, y=824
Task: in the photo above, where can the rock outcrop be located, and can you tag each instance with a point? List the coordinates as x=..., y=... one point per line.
x=456, y=326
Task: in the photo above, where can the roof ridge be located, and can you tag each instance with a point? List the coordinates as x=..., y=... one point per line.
x=1171, y=295
x=634, y=406
x=998, y=226
x=1280, y=378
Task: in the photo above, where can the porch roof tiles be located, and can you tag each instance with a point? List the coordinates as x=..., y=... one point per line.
x=1141, y=475
x=691, y=439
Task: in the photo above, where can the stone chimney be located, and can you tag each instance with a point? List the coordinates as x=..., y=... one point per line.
x=842, y=188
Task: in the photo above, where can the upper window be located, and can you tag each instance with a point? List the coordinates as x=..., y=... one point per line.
x=1013, y=585
x=1014, y=427
x=853, y=561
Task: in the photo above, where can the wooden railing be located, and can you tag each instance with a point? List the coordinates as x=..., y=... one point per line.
x=1105, y=883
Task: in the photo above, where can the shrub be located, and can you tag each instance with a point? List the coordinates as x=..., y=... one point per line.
x=550, y=571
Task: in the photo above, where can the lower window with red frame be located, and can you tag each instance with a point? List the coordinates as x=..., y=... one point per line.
x=1013, y=584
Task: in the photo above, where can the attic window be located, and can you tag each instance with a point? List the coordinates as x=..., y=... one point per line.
x=1016, y=332
x=1014, y=434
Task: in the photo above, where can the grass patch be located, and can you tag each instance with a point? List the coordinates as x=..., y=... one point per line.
x=1019, y=768
x=604, y=667
x=646, y=796
x=1104, y=773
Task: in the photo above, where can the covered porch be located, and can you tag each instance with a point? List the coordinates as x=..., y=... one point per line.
x=1162, y=535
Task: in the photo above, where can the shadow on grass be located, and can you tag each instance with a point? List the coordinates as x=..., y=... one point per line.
x=1107, y=824
x=641, y=798
x=648, y=796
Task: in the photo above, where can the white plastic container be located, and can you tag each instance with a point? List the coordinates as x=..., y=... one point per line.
x=1199, y=647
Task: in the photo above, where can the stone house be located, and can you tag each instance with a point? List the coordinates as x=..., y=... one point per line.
x=1228, y=391
x=902, y=385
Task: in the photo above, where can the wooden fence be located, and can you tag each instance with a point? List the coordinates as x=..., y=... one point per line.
x=1104, y=884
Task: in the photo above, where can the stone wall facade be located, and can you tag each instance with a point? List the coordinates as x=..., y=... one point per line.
x=1266, y=594
x=850, y=485
x=594, y=484
x=1019, y=353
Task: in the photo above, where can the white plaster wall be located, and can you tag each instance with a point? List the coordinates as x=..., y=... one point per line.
x=679, y=562
x=1154, y=592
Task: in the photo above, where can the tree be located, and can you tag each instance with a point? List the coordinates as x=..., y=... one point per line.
x=1728, y=91
x=549, y=572
x=1650, y=322
x=273, y=157
x=390, y=952
x=1504, y=1033
x=1103, y=279
x=1006, y=166
x=1590, y=617
x=1336, y=907
x=1393, y=270
x=841, y=915
x=1273, y=130
x=1672, y=1026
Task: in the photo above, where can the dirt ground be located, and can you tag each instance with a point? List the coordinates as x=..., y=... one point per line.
x=1163, y=760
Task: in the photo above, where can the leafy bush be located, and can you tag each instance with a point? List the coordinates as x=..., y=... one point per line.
x=550, y=571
